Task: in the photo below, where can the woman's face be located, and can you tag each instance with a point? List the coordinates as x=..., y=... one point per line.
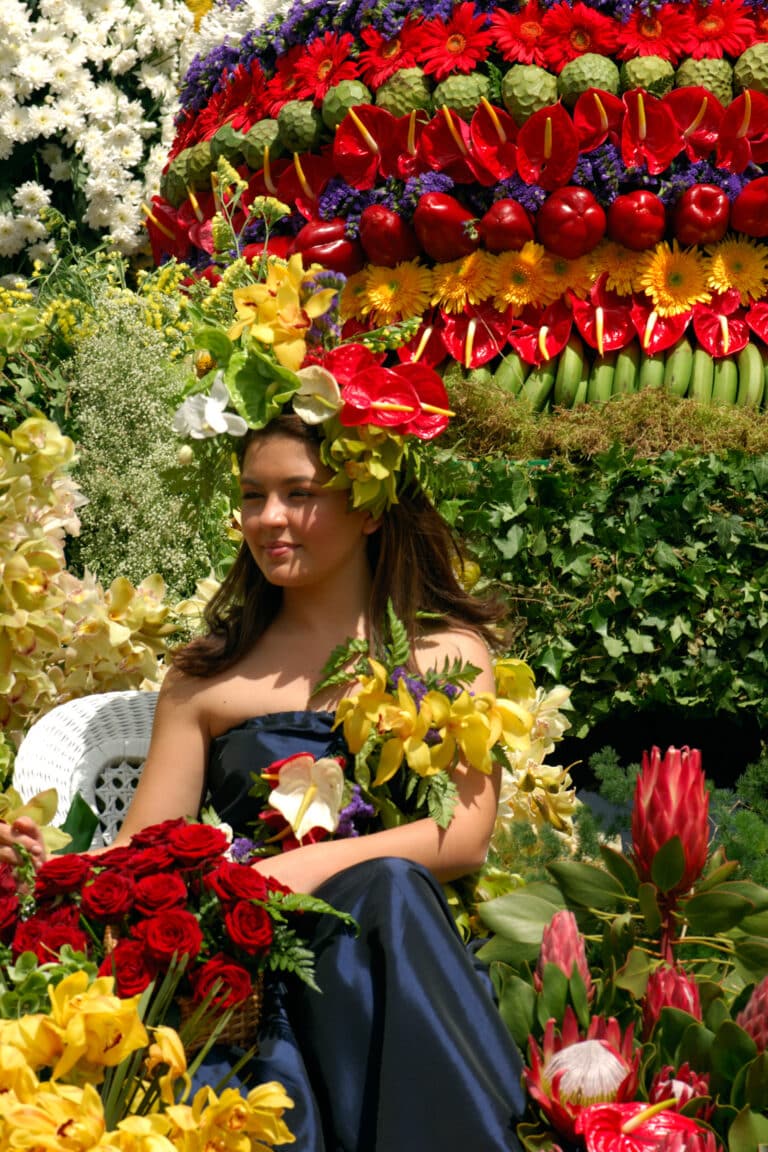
x=300, y=533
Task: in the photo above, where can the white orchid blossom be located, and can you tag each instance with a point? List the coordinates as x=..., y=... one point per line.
x=309, y=793
x=204, y=414
x=318, y=396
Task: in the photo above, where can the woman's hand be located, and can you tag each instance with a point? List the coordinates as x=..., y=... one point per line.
x=22, y=833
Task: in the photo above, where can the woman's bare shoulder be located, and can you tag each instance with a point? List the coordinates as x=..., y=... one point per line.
x=443, y=646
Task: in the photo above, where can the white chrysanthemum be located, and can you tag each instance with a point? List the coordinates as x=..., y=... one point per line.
x=11, y=240
x=223, y=23
x=42, y=253
x=30, y=229
x=30, y=197
x=35, y=71
x=15, y=125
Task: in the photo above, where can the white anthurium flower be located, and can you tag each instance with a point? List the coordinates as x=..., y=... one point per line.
x=204, y=415
x=309, y=793
x=318, y=396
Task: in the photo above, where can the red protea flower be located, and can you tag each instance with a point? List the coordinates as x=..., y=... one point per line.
x=570, y=1072
x=753, y=1018
x=571, y=31
x=383, y=57
x=681, y=1084
x=671, y=800
x=669, y=987
x=656, y=32
x=718, y=28
x=518, y=35
x=562, y=944
x=455, y=45
x=322, y=64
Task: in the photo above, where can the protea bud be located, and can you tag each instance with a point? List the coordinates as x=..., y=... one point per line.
x=562, y=944
x=671, y=800
x=669, y=987
x=754, y=1016
x=681, y=1084
x=704, y=1141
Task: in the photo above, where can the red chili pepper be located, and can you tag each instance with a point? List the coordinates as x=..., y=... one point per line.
x=386, y=237
x=445, y=229
x=701, y=215
x=505, y=227
x=637, y=219
x=749, y=211
x=570, y=222
x=324, y=242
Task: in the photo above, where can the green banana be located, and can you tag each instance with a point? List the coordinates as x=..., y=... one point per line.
x=751, y=373
x=726, y=380
x=538, y=385
x=702, y=376
x=678, y=367
x=571, y=370
x=511, y=373
x=626, y=370
x=651, y=374
x=600, y=384
x=581, y=392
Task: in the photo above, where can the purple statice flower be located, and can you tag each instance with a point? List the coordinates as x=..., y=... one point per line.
x=418, y=186
x=684, y=174
x=341, y=199
x=242, y=849
x=531, y=196
x=358, y=810
x=415, y=686
x=204, y=76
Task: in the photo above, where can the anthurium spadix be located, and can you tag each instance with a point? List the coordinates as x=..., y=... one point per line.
x=309, y=793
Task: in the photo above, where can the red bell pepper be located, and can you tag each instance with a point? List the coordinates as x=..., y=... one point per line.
x=505, y=227
x=445, y=229
x=701, y=215
x=324, y=242
x=386, y=237
x=570, y=222
x=638, y=219
x=749, y=211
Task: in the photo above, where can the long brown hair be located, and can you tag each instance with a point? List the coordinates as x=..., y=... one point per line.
x=414, y=559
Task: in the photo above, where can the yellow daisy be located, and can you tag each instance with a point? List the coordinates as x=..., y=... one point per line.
x=622, y=265
x=462, y=282
x=524, y=277
x=675, y=278
x=353, y=296
x=739, y=263
x=578, y=275
x=396, y=293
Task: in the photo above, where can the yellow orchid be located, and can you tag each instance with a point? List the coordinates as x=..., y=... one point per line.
x=98, y=1027
x=475, y=727
x=60, y=1118
x=36, y=1036
x=409, y=724
x=141, y=1134
x=16, y=1075
x=360, y=713
x=514, y=679
x=167, y=1050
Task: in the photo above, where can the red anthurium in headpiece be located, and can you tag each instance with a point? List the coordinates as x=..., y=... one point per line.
x=547, y=148
x=476, y=335
x=346, y=361
x=604, y=318
x=434, y=412
x=539, y=334
x=378, y=396
x=303, y=179
x=649, y=134
x=720, y=325
x=446, y=146
x=744, y=132
x=757, y=319
x=493, y=133
x=168, y=236
x=359, y=143
x=427, y=345
x=656, y=333
x=637, y=1126
x=597, y=117
x=698, y=114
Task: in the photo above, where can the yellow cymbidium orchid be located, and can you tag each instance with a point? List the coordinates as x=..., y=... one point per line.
x=167, y=1050
x=56, y=1109
x=360, y=713
x=409, y=725
x=97, y=1026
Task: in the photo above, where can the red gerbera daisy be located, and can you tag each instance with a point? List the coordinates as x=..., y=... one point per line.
x=658, y=32
x=246, y=102
x=518, y=35
x=455, y=45
x=284, y=84
x=383, y=57
x=324, y=63
x=571, y=31
x=718, y=28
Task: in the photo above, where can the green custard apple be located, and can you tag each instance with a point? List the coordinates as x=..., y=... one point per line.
x=462, y=94
x=652, y=73
x=339, y=99
x=301, y=125
x=716, y=75
x=525, y=89
x=406, y=90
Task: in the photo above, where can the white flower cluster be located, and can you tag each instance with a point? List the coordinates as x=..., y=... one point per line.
x=87, y=98
x=226, y=22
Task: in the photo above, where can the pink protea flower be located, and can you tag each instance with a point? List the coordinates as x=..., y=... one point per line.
x=671, y=800
x=562, y=944
x=753, y=1018
x=682, y=1085
x=669, y=987
x=570, y=1072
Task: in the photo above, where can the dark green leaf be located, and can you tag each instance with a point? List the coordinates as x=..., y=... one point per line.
x=587, y=885
x=668, y=865
x=81, y=823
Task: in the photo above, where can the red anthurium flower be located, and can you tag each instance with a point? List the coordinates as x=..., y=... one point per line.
x=539, y=334
x=265, y=182
x=654, y=32
x=604, y=318
x=671, y=800
x=547, y=148
x=427, y=345
x=518, y=35
x=446, y=146
x=346, y=361
x=493, y=133
x=476, y=335
x=649, y=134
x=744, y=132
x=400, y=156
x=303, y=179
x=168, y=237
x=378, y=396
x=383, y=57
x=434, y=412
x=698, y=114
x=721, y=325
x=322, y=64
x=570, y=30
x=757, y=319
x=597, y=116
x=634, y=1127
x=359, y=144
x=656, y=333
x=717, y=28
x=669, y=987
x=455, y=45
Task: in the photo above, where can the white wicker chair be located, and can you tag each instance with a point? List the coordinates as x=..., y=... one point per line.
x=95, y=745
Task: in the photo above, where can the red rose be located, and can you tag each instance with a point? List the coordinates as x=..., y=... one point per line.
x=116, y=858
x=61, y=874
x=236, y=882
x=195, y=843
x=176, y=930
x=150, y=861
x=109, y=896
x=156, y=834
x=130, y=965
x=235, y=981
x=249, y=927
x=47, y=932
x=8, y=882
x=9, y=915
x=154, y=893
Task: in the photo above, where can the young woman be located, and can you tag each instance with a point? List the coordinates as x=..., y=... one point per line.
x=404, y=1051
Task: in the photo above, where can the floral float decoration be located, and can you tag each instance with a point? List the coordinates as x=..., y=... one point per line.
x=569, y=195
x=639, y=985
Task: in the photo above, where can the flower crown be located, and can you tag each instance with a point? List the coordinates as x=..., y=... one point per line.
x=285, y=352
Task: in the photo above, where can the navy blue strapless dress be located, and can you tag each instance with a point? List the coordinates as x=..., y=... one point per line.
x=404, y=1051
